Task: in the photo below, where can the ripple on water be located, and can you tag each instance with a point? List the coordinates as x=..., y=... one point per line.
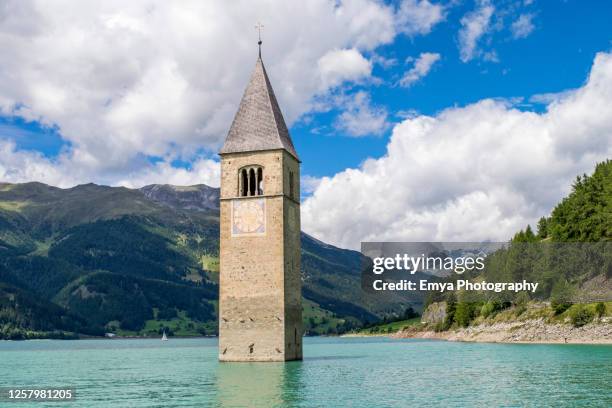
x=357, y=372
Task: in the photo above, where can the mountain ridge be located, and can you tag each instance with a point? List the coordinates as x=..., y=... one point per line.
x=111, y=258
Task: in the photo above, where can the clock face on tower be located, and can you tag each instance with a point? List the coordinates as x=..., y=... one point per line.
x=249, y=217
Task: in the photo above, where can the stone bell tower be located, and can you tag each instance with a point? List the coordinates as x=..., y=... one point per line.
x=260, y=307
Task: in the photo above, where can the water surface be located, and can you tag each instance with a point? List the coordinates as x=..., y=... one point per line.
x=356, y=372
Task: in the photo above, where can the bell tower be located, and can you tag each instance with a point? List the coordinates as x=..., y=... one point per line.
x=260, y=307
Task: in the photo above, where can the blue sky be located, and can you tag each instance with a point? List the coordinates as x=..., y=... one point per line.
x=414, y=119
x=556, y=56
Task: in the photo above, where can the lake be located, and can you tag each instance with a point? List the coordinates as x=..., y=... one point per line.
x=355, y=372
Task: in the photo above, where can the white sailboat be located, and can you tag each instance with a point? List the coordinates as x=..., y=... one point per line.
x=164, y=337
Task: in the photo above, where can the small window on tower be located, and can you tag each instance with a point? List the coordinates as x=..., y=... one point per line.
x=250, y=181
x=260, y=183
x=291, y=188
x=244, y=183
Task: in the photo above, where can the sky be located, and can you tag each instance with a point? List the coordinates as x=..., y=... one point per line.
x=414, y=119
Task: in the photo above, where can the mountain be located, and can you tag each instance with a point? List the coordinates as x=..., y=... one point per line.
x=198, y=197
x=93, y=259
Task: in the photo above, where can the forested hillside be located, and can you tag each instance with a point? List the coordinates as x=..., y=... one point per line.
x=586, y=214
x=95, y=259
x=570, y=256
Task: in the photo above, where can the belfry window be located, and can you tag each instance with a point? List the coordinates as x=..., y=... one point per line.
x=244, y=183
x=259, y=181
x=250, y=181
x=291, y=186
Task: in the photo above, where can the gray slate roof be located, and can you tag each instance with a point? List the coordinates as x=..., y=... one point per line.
x=259, y=123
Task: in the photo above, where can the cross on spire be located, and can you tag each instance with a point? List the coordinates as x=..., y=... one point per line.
x=258, y=27
x=258, y=124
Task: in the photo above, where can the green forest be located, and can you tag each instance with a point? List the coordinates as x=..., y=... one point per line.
x=92, y=259
x=569, y=254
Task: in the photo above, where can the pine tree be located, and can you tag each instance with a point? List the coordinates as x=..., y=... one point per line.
x=529, y=235
x=543, y=228
x=586, y=214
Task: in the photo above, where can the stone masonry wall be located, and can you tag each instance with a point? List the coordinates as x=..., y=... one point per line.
x=260, y=287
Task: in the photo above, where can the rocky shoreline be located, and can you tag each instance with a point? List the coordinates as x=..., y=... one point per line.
x=526, y=331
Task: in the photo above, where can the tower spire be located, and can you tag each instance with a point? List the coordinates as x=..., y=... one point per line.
x=259, y=123
x=258, y=27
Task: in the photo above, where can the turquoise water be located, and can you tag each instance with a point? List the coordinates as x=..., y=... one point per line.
x=355, y=372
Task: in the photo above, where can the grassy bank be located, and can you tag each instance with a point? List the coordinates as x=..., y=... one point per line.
x=388, y=328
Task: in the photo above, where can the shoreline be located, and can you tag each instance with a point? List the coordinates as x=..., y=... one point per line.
x=533, y=331
x=430, y=335
x=84, y=337
x=525, y=331
x=451, y=337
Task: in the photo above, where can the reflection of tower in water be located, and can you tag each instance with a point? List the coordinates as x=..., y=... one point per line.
x=259, y=384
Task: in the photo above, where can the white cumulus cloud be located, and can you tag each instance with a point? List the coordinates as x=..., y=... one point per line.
x=131, y=83
x=477, y=172
x=361, y=118
x=523, y=26
x=473, y=26
x=418, y=16
x=338, y=66
x=202, y=171
x=422, y=66
x=21, y=166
